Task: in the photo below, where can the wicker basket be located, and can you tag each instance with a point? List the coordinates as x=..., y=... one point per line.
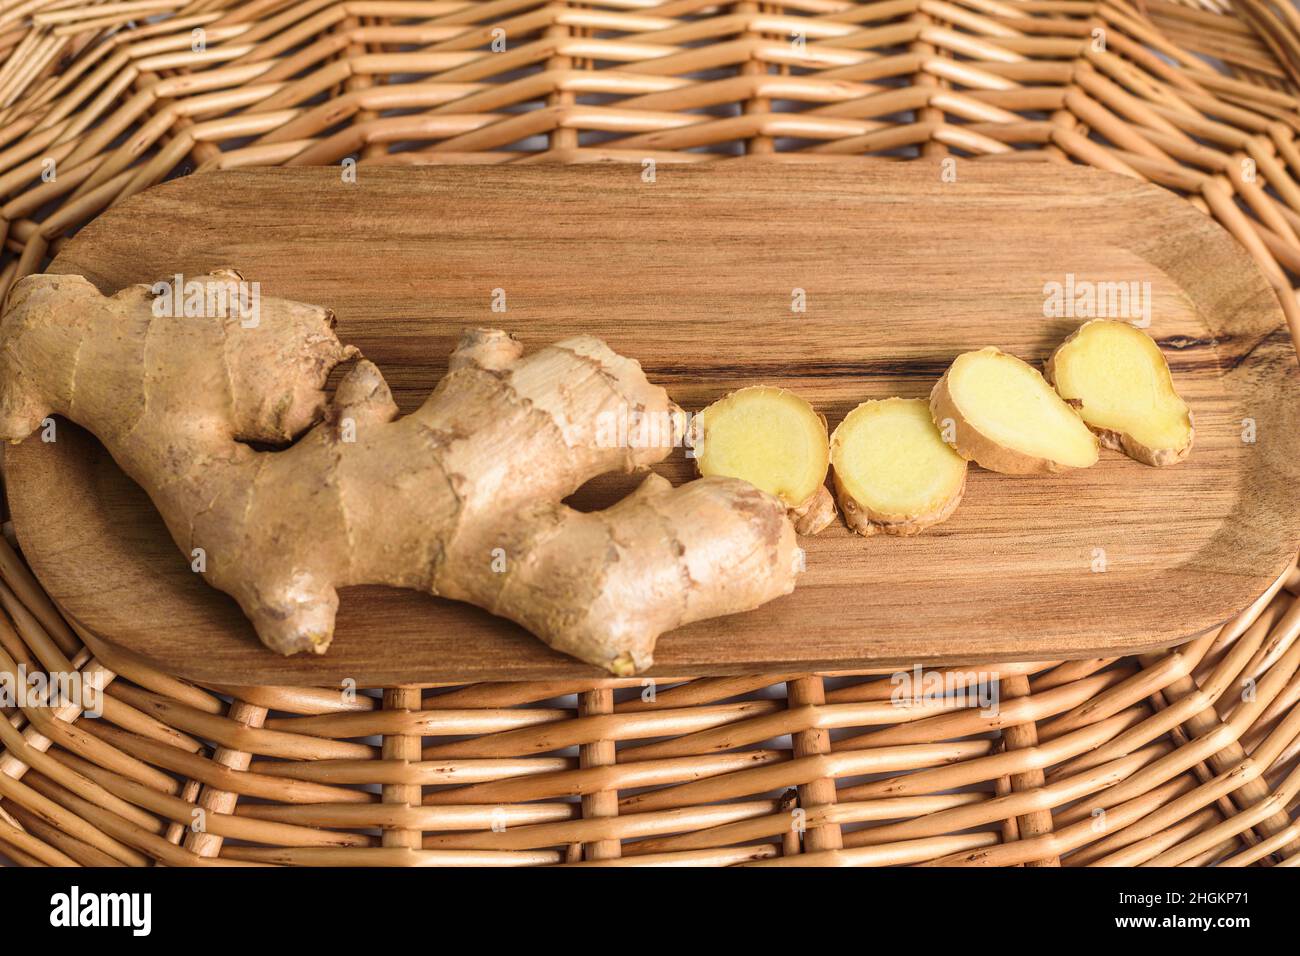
x=1186, y=756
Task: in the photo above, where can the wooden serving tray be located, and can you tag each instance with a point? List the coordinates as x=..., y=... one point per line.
x=695, y=274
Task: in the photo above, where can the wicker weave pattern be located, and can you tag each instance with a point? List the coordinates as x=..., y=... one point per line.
x=117, y=109
x=1188, y=756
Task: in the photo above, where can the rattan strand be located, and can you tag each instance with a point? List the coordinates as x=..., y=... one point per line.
x=1189, y=756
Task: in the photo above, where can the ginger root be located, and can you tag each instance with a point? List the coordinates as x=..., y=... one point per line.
x=773, y=439
x=1000, y=413
x=461, y=498
x=1119, y=380
x=893, y=471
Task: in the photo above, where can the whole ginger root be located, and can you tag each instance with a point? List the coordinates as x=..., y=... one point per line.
x=461, y=498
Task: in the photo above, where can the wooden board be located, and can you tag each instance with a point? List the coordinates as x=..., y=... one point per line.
x=695, y=274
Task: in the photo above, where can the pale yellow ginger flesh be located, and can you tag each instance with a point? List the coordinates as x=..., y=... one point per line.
x=461, y=498
x=776, y=441
x=1000, y=413
x=893, y=471
x=1118, y=379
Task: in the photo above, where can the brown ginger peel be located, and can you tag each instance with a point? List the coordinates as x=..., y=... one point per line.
x=462, y=498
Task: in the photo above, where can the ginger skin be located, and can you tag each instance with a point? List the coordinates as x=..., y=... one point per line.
x=461, y=498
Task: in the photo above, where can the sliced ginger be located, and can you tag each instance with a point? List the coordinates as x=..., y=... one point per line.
x=1000, y=413
x=893, y=471
x=777, y=442
x=1118, y=378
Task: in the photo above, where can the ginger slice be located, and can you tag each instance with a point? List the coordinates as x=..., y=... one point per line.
x=1119, y=380
x=777, y=442
x=1000, y=413
x=893, y=471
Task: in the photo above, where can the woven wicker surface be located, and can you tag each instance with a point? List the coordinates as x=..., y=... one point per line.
x=1186, y=756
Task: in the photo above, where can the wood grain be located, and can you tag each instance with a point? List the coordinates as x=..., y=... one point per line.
x=693, y=274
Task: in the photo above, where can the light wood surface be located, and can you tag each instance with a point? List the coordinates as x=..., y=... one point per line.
x=693, y=274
